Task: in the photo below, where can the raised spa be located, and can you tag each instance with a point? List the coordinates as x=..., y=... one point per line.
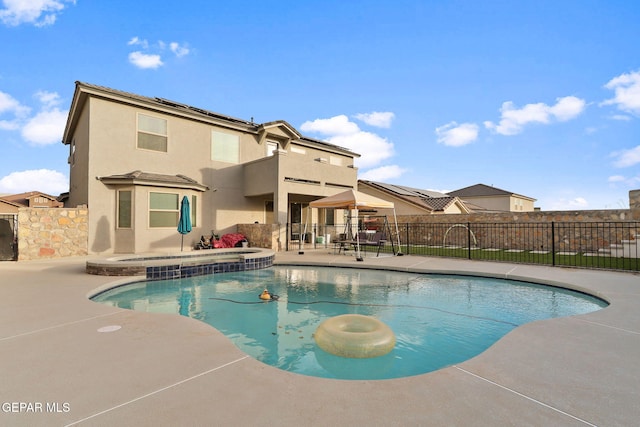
x=183, y=264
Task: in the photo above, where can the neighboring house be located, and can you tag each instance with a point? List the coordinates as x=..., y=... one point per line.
x=7, y=207
x=33, y=199
x=132, y=159
x=494, y=199
x=413, y=201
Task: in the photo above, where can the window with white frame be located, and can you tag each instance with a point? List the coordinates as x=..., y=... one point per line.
x=225, y=147
x=152, y=133
x=163, y=210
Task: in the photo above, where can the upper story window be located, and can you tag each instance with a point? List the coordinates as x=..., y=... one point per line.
x=225, y=147
x=152, y=133
x=298, y=150
x=336, y=161
x=272, y=147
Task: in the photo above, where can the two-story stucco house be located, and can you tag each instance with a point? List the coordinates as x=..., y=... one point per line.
x=133, y=158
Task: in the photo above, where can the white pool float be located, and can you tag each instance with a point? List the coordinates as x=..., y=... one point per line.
x=355, y=336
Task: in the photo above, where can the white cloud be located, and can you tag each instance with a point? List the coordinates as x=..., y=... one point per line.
x=377, y=119
x=383, y=173
x=621, y=117
x=46, y=127
x=627, y=92
x=626, y=158
x=150, y=56
x=337, y=125
x=144, y=60
x=513, y=120
x=178, y=50
x=136, y=41
x=9, y=105
x=372, y=148
x=577, y=203
x=37, y=12
x=48, y=99
x=342, y=132
x=45, y=180
x=567, y=108
x=631, y=182
x=455, y=135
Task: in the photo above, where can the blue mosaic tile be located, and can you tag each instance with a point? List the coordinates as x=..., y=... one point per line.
x=176, y=271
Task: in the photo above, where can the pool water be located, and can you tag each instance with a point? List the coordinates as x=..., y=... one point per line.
x=438, y=320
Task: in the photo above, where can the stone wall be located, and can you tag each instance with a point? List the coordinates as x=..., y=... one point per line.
x=634, y=204
x=261, y=235
x=52, y=233
x=584, y=231
x=516, y=217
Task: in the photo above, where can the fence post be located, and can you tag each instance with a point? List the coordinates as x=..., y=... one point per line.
x=469, y=240
x=314, y=234
x=406, y=227
x=286, y=237
x=553, y=243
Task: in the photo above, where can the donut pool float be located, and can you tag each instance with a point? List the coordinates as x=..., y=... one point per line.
x=355, y=336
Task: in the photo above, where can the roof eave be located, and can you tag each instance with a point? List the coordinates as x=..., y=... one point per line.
x=152, y=183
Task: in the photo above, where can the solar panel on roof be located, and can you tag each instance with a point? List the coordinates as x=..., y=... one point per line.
x=395, y=188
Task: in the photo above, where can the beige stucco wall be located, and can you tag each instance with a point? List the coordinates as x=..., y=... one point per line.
x=79, y=163
x=502, y=203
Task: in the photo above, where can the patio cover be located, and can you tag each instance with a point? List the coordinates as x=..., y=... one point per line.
x=352, y=199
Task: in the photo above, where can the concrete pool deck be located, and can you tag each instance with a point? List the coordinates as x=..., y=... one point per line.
x=58, y=369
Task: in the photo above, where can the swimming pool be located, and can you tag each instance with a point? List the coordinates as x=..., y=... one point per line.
x=438, y=320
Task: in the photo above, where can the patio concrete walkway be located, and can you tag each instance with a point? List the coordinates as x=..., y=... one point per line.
x=58, y=369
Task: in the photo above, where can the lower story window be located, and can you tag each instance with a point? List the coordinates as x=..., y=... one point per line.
x=124, y=209
x=163, y=210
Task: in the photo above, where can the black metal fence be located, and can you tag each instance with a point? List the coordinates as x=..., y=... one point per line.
x=8, y=237
x=601, y=245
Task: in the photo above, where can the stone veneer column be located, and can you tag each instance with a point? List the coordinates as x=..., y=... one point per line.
x=634, y=204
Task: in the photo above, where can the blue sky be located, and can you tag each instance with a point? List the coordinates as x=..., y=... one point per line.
x=540, y=98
